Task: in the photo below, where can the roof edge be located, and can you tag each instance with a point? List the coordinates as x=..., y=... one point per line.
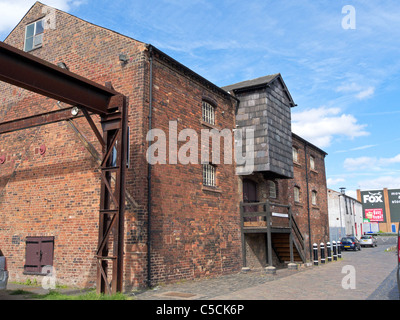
x=15, y=27
x=189, y=72
x=308, y=143
x=248, y=85
x=76, y=17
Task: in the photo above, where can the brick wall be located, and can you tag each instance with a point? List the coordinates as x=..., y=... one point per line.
x=57, y=193
x=316, y=182
x=194, y=228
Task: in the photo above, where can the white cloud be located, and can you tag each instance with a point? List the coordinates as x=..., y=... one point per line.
x=321, y=125
x=367, y=93
x=352, y=87
x=357, y=148
x=370, y=163
x=12, y=11
x=352, y=164
x=391, y=182
x=359, y=91
x=333, y=182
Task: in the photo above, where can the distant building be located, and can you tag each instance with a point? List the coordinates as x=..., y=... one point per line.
x=345, y=216
x=381, y=208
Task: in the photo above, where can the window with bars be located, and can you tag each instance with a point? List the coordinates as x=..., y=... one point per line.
x=34, y=35
x=208, y=113
x=209, y=175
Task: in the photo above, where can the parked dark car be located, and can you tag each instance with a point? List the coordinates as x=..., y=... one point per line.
x=3, y=272
x=350, y=243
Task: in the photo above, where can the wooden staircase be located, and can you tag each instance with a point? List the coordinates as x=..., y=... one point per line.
x=281, y=246
x=285, y=238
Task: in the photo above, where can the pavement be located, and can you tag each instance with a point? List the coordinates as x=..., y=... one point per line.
x=368, y=274
x=361, y=275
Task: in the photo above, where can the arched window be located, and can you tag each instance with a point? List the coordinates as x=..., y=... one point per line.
x=209, y=175
x=312, y=163
x=314, y=197
x=208, y=112
x=296, y=194
x=295, y=152
x=272, y=189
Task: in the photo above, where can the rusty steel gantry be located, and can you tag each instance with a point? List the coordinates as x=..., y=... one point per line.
x=34, y=74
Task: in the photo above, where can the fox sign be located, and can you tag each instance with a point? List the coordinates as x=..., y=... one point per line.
x=373, y=205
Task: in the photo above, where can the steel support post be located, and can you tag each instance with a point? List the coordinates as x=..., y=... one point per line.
x=112, y=203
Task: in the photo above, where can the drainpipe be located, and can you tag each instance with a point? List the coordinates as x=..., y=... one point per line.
x=149, y=172
x=308, y=202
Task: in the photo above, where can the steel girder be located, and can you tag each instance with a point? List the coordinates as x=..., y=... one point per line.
x=34, y=74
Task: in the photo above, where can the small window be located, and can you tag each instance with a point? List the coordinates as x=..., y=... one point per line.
x=209, y=175
x=34, y=35
x=312, y=163
x=272, y=189
x=314, y=198
x=39, y=255
x=295, y=154
x=296, y=194
x=208, y=112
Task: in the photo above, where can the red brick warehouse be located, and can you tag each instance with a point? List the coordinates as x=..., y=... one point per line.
x=181, y=221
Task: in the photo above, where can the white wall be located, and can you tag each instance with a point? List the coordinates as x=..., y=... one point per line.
x=345, y=215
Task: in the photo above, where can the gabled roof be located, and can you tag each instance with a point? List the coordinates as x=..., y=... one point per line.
x=259, y=83
x=38, y=3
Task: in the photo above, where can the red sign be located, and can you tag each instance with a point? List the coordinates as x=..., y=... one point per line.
x=374, y=215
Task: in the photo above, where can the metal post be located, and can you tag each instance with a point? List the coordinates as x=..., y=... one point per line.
x=243, y=238
x=267, y=210
x=290, y=236
x=329, y=251
x=339, y=249
x=270, y=269
x=315, y=249
x=334, y=250
x=291, y=265
x=112, y=202
x=322, y=246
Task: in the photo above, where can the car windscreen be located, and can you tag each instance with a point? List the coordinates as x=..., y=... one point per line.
x=366, y=237
x=347, y=240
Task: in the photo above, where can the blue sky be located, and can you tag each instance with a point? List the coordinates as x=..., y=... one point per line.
x=346, y=82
